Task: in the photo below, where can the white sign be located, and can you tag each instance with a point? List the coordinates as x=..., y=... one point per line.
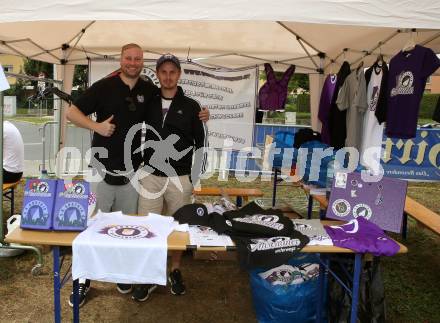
x=4, y=84
x=10, y=106
x=229, y=95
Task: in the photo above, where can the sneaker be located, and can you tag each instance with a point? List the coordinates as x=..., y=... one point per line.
x=82, y=293
x=124, y=288
x=176, y=281
x=142, y=292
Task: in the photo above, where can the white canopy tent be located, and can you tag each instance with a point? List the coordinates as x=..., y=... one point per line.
x=231, y=33
x=309, y=34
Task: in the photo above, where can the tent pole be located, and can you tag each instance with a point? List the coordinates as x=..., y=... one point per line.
x=299, y=37
x=307, y=52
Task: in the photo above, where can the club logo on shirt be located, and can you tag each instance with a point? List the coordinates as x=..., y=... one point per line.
x=362, y=210
x=283, y=244
x=404, y=84
x=140, y=98
x=341, y=207
x=270, y=221
x=200, y=211
x=127, y=232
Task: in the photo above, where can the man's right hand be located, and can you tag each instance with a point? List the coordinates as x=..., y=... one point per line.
x=105, y=128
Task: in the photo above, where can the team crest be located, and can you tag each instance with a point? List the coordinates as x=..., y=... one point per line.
x=200, y=211
x=404, y=84
x=127, y=232
x=38, y=186
x=74, y=188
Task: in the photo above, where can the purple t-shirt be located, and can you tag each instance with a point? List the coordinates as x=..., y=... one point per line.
x=362, y=236
x=324, y=106
x=406, y=83
x=273, y=93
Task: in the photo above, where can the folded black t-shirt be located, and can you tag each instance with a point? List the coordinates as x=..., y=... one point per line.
x=194, y=214
x=254, y=221
x=268, y=252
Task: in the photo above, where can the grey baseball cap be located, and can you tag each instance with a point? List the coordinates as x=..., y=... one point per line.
x=167, y=58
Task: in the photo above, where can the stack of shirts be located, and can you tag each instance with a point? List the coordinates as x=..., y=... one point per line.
x=123, y=249
x=264, y=238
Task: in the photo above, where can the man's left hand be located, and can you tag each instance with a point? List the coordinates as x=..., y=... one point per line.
x=204, y=115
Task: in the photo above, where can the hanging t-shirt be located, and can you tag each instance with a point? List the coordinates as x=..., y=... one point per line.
x=408, y=74
x=372, y=131
x=362, y=236
x=337, y=118
x=314, y=230
x=353, y=97
x=123, y=249
x=325, y=105
x=273, y=94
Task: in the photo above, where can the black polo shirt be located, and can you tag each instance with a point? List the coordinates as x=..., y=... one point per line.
x=111, y=96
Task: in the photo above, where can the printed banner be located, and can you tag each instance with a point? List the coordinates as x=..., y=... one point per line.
x=230, y=96
x=415, y=159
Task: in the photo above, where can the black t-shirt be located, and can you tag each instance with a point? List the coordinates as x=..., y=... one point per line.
x=193, y=214
x=111, y=96
x=254, y=221
x=269, y=252
x=337, y=118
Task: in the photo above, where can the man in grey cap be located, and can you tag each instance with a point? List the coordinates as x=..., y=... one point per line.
x=165, y=181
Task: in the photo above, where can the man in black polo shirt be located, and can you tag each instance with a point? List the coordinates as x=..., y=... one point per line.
x=120, y=102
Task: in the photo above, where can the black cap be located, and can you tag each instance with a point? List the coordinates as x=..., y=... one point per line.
x=167, y=58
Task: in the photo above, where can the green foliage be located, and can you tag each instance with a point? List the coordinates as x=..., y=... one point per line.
x=33, y=68
x=80, y=78
x=303, y=102
x=428, y=105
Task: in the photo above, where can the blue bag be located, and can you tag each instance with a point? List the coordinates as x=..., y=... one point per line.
x=277, y=301
x=283, y=140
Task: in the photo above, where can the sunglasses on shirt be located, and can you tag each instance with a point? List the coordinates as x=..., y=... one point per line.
x=131, y=104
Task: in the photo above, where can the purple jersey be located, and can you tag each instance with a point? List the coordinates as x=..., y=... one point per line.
x=324, y=106
x=273, y=93
x=363, y=236
x=406, y=83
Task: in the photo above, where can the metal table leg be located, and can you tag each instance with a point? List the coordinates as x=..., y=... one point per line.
x=309, y=207
x=275, y=182
x=56, y=283
x=356, y=283
x=405, y=226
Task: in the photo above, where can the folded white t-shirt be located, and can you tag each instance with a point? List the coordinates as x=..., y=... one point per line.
x=123, y=249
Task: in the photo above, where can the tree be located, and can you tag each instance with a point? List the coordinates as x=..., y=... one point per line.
x=34, y=68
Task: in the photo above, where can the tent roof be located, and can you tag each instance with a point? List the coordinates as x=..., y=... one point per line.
x=227, y=33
